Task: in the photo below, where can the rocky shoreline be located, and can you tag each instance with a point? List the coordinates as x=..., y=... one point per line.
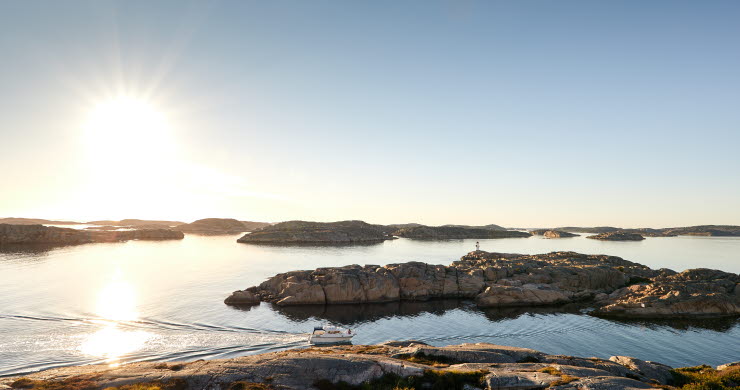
x=387, y=366
x=610, y=284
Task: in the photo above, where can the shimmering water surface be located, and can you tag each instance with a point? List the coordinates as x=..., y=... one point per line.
x=133, y=301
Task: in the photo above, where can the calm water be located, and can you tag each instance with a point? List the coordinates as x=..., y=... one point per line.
x=133, y=301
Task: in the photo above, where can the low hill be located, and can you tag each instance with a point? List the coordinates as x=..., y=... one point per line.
x=35, y=221
x=304, y=232
x=214, y=226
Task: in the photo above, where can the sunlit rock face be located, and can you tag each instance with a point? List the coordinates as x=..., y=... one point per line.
x=48, y=235
x=496, y=279
x=488, y=366
x=693, y=292
x=509, y=280
x=302, y=232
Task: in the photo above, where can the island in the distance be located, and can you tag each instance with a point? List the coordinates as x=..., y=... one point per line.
x=550, y=233
x=392, y=365
x=347, y=232
x=303, y=232
x=618, y=235
x=56, y=236
x=220, y=226
x=614, y=286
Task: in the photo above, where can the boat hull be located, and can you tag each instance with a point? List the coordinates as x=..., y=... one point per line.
x=329, y=340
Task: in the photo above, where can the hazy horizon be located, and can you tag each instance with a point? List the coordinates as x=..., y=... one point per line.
x=521, y=114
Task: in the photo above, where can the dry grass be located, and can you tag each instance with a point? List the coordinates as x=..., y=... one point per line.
x=564, y=378
x=172, y=384
x=78, y=382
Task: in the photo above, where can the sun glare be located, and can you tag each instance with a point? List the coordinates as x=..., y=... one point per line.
x=117, y=302
x=125, y=126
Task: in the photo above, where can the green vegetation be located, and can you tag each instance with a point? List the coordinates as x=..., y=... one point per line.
x=706, y=378
x=430, y=380
x=429, y=360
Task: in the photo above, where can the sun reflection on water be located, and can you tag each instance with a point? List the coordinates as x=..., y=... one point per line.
x=116, y=305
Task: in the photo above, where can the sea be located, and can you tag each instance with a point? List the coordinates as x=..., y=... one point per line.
x=115, y=303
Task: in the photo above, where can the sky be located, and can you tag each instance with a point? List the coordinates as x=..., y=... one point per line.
x=518, y=113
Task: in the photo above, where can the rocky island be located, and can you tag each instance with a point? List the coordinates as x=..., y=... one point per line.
x=456, y=232
x=56, y=236
x=548, y=233
x=613, y=285
x=391, y=365
x=303, y=232
x=618, y=235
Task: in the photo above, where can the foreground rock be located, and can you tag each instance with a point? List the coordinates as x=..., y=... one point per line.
x=53, y=236
x=394, y=364
x=614, y=285
x=552, y=233
x=456, y=232
x=214, y=226
x=618, y=236
x=302, y=232
x=696, y=292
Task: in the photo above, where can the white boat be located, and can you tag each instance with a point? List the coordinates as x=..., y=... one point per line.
x=328, y=334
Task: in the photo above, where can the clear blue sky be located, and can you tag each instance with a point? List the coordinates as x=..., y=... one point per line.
x=521, y=113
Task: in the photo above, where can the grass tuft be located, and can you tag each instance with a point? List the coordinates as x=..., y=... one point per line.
x=706, y=378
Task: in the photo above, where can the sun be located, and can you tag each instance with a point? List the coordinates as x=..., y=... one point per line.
x=127, y=126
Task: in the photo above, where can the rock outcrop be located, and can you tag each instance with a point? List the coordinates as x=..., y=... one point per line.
x=302, y=232
x=495, y=279
x=383, y=366
x=619, y=235
x=213, y=226
x=455, y=232
x=696, y=292
x=55, y=236
x=547, y=233
x=617, y=286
